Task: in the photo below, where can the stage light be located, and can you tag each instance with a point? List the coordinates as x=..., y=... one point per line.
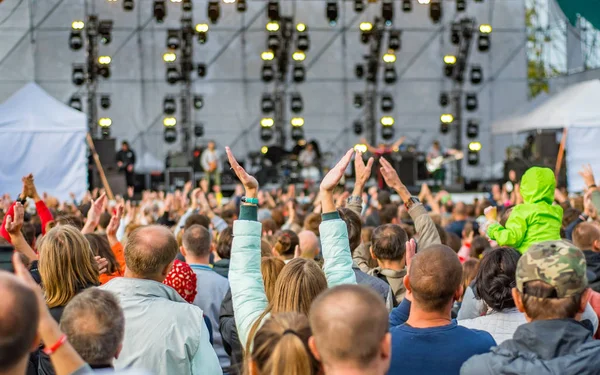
x=105, y=101
x=303, y=42
x=241, y=6
x=406, y=5
x=473, y=157
x=299, y=73
x=447, y=118
x=444, y=99
x=202, y=30
x=75, y=40
x=187, y=5
x=104, y=60
x=387, y=103
x=169, y=57
x=450, y=62
x=358, y=128
x=435, y=11
x=301, y=27
x=299, y=56
x=444, y=128
x=78, y=75
x=359, y=6
x=160, y=10
x=214, y=11
x=297, y=134
x=366, y=29
x=128, y=5
x=332, y=12
x=201, y=70
x=475, y=146
x=389, y=57
x=172, y=74
x=358, y=100
x=471, y=101
x=359, y=71
x=297, y=121
x=267, y=122
x=266, y=134
x=173, y=39
x=455, y=33
x=461, y=5
x=296, y=103
x=267, y=55
x=273, y=26
x=169, y=105
x=423, y=2
x=360, y=147
x=472, y=129
x=198, y=102
x=394, y=42
x=105, y=122
x=387, y=12
x=170, y=121
x=483, y=42
x=175, y=1
x=476, y=74
x=104, y=66
x=273, y=10
x=485, y=28
x=264, y=150
x=199, y=130
x=387, y=121
x=170, y=135
x=76, y=103
x=268, y=73
x=389, y=74
x=267, y=103
x=77, y=25
x=105, y=31
x=273, y=42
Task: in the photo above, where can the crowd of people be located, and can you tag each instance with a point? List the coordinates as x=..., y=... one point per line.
x=338, y=280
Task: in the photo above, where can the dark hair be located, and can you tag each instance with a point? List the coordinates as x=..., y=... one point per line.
x=224, y=243
x=389, y=242
x=540, y=302
x=505, y=215
x=388, y=213
x=100, y=246
x=442, y=233
x=197, y=219
x=196, y=241
x=453, y=241
x=569, y=216
x=28, y=231
x=19, y=316
x=496, y=278
x=479, y=246
x=104, y=220
x=269, y=226
x=353, y=225
x=72, y=220
x=286, y=243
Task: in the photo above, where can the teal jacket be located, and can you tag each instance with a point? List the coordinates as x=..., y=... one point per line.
x=536, y=219
x=245, y=278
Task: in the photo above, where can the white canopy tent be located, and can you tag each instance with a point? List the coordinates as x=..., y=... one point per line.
x=40, y=135
x=513, y=123
x=575, y=108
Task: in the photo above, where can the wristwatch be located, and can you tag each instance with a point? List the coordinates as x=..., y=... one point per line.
x=411, y=202
x=354, y=199
x=250, y=200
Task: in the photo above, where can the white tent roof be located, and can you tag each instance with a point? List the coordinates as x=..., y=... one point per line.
x=575, y=106
x=33, y=110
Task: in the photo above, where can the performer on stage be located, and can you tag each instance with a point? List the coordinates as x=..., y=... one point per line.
x=381, y=152
x=437, y=157
x=309, y=160
x=210, y=163
x=126, y=162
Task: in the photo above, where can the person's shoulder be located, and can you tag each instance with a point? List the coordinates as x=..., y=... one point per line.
x=477, y=336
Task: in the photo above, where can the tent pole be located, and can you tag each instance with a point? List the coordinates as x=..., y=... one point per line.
x=561, y=153
x=107, y=188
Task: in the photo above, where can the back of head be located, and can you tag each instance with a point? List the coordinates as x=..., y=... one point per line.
x=100, y=246
x=28, y=231
x=197, y=219
x=224, y=243
x=453, y=241
x=389, y=242
x=312, y=222
x=478, y=246
x=585, y=235
x=365, y=235
x=435, y=276
x=104, y=220
x=196, y=241
x=270, y=268
x=281, y=347
x=19, y=316
x=383, y=198
x=286, y=243
x=298, y=284
x=538, y=185
x=149, y=251
x=349, y=323
x=460, y=210
x=551, y=280
x=309, y=244
x=470, y=269
x=388, y=213
x=66, y=264
x=496, y=278
x=269, y=225
x=72, y=220
x=354, y=226
x=94, y=323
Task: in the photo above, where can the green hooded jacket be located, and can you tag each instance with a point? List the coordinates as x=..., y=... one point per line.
x=536, y=219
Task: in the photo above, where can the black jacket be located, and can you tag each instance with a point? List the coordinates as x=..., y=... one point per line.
x=126, y=157
x=222, y=267
x=231, y=341
x=592, y=258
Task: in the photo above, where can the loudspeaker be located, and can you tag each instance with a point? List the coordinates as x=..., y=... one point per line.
x=116, y=181
x=106, y=149
x=546, y=146
x=406, y=166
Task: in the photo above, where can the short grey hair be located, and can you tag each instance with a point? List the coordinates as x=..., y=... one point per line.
x=95, y=325
x=196, y=241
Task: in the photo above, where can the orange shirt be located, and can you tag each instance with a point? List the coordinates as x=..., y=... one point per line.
x=117, y=250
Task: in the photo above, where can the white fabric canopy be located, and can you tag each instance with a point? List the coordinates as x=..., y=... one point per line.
x=40, y=135
x=577, y=105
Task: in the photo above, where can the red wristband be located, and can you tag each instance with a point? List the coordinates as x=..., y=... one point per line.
x=51, y=350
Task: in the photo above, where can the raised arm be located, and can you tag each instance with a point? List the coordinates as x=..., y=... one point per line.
x=247, y=288
x=334, y=233
x=363, y=173
x=40, y=206
x=93, y=217
x=398, y=143
x=13, y=227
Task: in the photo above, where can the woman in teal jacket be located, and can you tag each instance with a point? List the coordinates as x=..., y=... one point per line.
x=250, y=303
x=536, y=219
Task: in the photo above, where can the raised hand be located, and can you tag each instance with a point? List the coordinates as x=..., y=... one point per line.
x=411, y=250
x=249, y=182
x=588, y=176
x=363, y=172
x=115, y=221
x=333, y=177
x=390, y=175
x=93, y=217
x=101, y=264
x=13, y=225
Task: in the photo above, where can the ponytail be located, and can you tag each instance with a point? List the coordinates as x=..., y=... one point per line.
x=286, y=243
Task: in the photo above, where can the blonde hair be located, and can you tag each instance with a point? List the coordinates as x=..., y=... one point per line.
x=281, y=346
x=66, y=264
x=298, y=284
x=270, y=267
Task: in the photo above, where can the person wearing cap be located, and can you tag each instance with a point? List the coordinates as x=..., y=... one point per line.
x=552, y=291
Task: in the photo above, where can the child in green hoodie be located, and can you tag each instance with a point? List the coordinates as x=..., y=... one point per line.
x=536, y=219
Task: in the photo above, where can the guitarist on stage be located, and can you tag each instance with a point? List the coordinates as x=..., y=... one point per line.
x=210, y=163
x=435, y=152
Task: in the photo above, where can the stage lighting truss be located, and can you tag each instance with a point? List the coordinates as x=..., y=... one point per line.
x=484, y=42
x=169, y=105
x=268, y=72
x=214, y=11
x=170, y=135
x=104, y=66
x=266, y=128
x=471, y=102
x=78, y=74
x=435, y=11
x=389, y=74
x=160, y=10
x=449, y=64
x=173, y=38
x=296, y=103
x=387, y=127
x=472, y=129
x=332, y=12
x=394, y=41
x=387, y=103
x=173, y=75
x=473, y=153
x=476, y=74
x=241, y=6
x=202, y=31
x=366, y=30
x=273, y=10
x=105, y=101
x=76, y=37
x=387, y=12
x=302, y=40
x=299, y=73
x=198, y=102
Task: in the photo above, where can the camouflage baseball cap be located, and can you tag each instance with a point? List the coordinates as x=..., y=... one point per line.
x=558, y=263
